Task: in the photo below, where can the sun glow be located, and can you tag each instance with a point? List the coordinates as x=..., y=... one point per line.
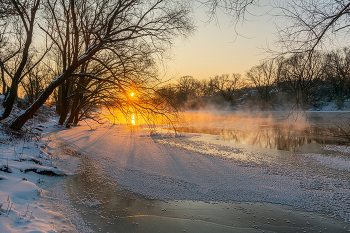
x=132, y=94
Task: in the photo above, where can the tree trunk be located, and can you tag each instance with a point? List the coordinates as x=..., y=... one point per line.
x=10, y=100
x=65, y=102
x=76, y=118
x=4, y=86
x=23, y=118
x=75, y=105
x=64, y=112
x=59, y=99
x=72, y=112
x=73, y=115
x=18, y=123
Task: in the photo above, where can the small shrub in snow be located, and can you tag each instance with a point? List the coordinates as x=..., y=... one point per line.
x=6, y=168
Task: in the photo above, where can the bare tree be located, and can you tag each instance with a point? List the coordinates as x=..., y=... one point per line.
x=35, y=81
x=136, y=74
x=300, y=77
x=25, y=13
x=237, y=9
x=225, y=85
x=309, y=24
x=220, y=91
x=337, y=74
x=264, y=77
x=101, y=27
x=8, y=47
x=187, y=86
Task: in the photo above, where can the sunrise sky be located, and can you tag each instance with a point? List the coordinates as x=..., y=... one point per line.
x=216, y=49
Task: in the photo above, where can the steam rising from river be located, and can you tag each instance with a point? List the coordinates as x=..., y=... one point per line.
x=273, y=130
x=281, y=130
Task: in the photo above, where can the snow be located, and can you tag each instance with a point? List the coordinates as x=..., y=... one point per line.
x=344, y=149
x=332, y=106
x=24, y=191
x=337, y=163
x=203, y=168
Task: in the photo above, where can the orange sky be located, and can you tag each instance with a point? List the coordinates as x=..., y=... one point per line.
x=216, y=49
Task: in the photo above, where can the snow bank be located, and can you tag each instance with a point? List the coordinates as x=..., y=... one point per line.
x=24, y=168
x=332, y=162
x=344, y=149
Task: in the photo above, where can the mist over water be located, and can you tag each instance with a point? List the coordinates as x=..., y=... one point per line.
x=279, y=130
x=273, y=130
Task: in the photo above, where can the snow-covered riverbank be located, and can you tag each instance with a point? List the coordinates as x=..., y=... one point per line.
x=198, y=167
x=28, y=170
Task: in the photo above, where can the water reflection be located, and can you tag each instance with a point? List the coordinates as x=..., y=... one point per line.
x=133, y=119
x=272, y=137
x=139, y=118
x=280, y=139
x=273, y=130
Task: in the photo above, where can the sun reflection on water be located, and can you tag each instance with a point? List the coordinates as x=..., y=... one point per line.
x=136, y=118
x=133, y=119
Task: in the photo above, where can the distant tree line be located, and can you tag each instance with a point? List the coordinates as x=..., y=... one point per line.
x=296, y=81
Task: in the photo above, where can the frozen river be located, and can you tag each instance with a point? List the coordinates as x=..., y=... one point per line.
x=256, y=185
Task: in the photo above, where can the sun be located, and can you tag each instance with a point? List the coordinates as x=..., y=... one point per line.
x=132, y=94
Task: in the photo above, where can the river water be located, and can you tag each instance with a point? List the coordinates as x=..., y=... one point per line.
x=274, y=130
x=107, y=206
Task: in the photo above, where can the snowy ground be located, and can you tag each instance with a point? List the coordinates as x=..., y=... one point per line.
x=192, y=167
x=200, y=167
x=27, y=170
x=30, y=177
